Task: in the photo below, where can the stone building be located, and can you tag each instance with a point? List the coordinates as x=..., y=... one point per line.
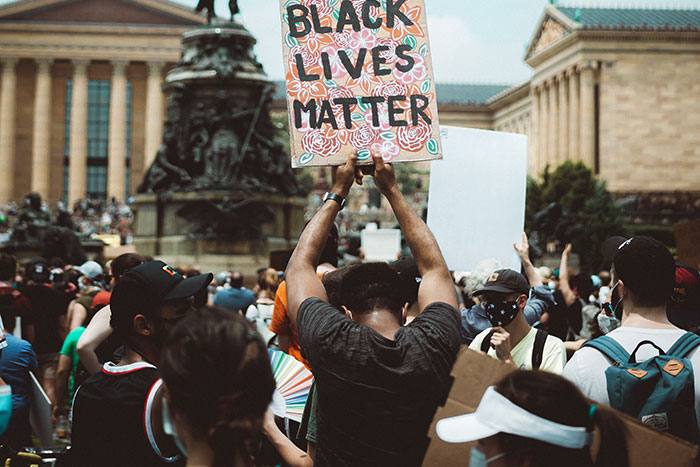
x=81, y=104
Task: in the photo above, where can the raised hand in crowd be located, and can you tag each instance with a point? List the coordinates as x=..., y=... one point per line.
x=531, y=273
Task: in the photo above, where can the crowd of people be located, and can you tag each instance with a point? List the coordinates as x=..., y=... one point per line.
x=162, y=366
x=87, y=217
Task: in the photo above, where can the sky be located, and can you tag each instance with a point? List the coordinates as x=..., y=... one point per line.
x=472, y=41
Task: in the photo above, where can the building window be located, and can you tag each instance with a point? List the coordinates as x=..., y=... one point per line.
x=97, y=138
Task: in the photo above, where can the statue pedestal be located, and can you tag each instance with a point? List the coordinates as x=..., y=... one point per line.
x=159, y=231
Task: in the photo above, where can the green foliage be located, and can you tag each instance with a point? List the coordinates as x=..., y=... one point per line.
x=591, y=209
x=407, y=175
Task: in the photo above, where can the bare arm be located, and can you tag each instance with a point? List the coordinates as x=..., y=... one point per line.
x=283, y=342
x=77, y=317
x=96, y=332
x=530, y=272
x=436, y=284
x=291, y=454
x=302, y=281
x=62, y=375
x=569, y=296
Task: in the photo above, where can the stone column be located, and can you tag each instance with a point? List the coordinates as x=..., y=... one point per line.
x=553, y=146
x=154, y=112
x=588, y=113
x=563, y=149
x=8, y=105
x=533, y=153
x=116, y=170
x=41, y=135
x=542, y=137
x=77, y=149
x=574, y=115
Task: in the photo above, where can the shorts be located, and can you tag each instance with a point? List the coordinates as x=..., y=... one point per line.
x=48, y=364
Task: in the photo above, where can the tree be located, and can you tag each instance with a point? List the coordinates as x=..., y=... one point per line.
x=571, y=205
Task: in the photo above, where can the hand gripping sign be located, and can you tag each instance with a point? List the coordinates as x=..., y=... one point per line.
x=359, y=78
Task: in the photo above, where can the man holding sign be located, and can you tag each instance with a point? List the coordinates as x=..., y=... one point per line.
x=378, y=382
x=359, y=78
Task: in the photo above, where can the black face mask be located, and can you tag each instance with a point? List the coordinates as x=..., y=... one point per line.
x=502, y=314
x=614, y=307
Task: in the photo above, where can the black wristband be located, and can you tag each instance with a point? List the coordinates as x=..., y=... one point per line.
x=337, y=198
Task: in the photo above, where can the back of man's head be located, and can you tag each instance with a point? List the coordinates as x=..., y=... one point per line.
x=371, y=287
x=236, y=280
x=647, y=269
x=131, y=296
x=8, y=267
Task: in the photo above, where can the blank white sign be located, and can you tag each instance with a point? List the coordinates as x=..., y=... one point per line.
x=476, y=208
x=381, y=245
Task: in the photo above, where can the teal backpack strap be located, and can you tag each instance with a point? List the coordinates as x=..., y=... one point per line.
x=610, y=348
x=684, y=345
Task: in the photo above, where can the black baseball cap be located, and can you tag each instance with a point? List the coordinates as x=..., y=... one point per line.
x=38, y=270
x=168, y=284
x=505, y=281
x=645, y=266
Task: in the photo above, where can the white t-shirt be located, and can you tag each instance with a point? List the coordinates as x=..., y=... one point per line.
x=586, y=369
x=553, y=355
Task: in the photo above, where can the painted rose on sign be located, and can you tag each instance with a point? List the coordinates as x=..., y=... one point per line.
x=359, y=78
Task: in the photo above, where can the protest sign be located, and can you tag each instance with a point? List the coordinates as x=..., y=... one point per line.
x=476, y=207
x=359, y=78
x=474, y=372
x=381, y=245
x=687, y=235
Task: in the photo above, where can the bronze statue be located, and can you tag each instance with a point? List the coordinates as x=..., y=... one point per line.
x=209, y=6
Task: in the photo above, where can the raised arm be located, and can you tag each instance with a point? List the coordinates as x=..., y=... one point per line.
x=302, y=281
x=530, y=272
x=564, y=286
x=436, y=284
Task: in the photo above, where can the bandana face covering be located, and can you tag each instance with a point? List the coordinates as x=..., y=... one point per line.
x=502, y=314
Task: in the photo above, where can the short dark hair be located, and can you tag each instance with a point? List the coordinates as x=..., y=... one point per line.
x=8, y=267
x=647, y=268
x=371, y=286
x=236, y=280
x=583, y=283
x=123, y=263
x=221, y=399
x=130, y=297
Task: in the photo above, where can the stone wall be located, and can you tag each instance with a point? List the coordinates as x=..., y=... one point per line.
x=650, y=122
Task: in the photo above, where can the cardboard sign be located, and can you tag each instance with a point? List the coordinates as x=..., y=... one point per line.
x=381, y=245
x=474, y=372
x=687, y=236
x=476, y=207
x=359, y=78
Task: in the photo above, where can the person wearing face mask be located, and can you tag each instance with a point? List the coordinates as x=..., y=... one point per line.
x=117, y=413
x=511, y=339
x=537, y=419
x=644, y=277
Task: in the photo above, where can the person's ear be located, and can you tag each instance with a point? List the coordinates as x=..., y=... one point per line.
x=522, y=301
x=622, y=289
x=143, y=325
x=404, y=312
x=348, y=313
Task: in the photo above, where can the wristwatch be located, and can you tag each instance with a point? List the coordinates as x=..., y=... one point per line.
x=337, y=198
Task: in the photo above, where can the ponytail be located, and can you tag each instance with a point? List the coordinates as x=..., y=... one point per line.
x=232, y=441
x=612, y=450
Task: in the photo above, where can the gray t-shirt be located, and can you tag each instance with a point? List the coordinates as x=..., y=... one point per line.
x=376, y=396
x=587, y=367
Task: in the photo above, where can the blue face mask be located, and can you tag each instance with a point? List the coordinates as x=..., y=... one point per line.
x=169, y=429
x=478, y=458
x=5, y=407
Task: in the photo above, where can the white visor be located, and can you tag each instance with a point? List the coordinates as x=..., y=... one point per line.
x=496, y=414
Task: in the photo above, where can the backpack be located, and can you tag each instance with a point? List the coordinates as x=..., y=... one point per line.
x=537, y=351
x=660, y=391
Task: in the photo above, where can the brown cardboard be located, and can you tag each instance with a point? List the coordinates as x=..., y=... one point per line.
x=474, y=372
x=688, y=242
x=370, y=126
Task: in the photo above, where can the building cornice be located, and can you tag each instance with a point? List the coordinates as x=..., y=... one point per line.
x=93, y=28
x=509, y=96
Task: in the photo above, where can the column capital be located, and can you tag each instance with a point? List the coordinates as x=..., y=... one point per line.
x=80, y=65
x=571, y=71
x=9, y=62
x=587, y=65
x=551, y=82
x=561, y=76
x=119, y=66
x=43, y=64
x=155, y=68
